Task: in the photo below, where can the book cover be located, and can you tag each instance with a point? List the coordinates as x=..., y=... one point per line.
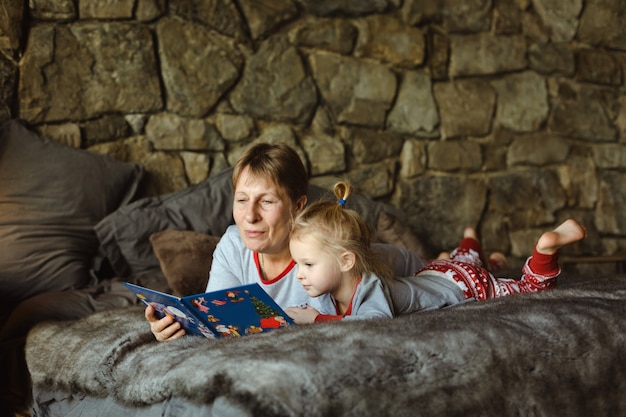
x=230, y=312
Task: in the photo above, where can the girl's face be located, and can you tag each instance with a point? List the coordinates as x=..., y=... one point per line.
x=263, y=213
x=319, y=272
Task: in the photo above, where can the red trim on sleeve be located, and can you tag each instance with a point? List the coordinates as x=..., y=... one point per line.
x=322, y=318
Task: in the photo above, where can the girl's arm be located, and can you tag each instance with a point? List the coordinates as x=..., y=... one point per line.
x=371, y=300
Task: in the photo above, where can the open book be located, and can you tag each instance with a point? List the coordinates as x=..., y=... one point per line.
x=230, y=312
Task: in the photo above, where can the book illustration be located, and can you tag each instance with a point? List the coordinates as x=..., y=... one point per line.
x=270, y=318
x=231, y=312
x=237, y=310
x=164, y=307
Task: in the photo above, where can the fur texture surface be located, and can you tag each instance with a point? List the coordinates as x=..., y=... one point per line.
x=557, y=353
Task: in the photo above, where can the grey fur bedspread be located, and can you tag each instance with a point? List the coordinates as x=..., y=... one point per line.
x=559, y=353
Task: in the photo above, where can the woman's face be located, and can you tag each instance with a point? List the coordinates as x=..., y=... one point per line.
x=263, y=213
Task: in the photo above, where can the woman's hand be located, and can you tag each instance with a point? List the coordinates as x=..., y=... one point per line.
x=302, y=315
x=164, y=329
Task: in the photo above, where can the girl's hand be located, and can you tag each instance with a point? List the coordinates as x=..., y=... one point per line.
x=164, y=329
x=302, y=315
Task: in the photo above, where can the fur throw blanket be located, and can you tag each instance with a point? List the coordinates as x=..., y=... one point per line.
x=558, y=353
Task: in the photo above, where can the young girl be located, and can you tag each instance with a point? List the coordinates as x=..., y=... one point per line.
x=345, y=280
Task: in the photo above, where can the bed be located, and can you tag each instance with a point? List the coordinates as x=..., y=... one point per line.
x=76, y=343
x=557, y=353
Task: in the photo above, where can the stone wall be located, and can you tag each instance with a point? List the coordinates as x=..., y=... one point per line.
x=508, y=115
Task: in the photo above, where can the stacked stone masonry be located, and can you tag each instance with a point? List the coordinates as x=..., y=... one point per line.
x=506, y=115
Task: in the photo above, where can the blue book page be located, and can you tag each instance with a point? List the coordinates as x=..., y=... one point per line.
x=170, y=305
x=238, y=311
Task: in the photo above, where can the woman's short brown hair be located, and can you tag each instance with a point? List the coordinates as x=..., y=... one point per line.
x=278, y=162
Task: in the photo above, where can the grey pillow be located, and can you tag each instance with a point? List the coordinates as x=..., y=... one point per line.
x=51, y=196
x=124, y=235
x=395, y=231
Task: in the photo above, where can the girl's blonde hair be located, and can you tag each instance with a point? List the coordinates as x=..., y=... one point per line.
x=339, y=229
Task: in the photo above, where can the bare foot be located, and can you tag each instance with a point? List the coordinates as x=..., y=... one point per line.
x=443, y=255
x=470, y=232
x=569, y=231
x=498, y=262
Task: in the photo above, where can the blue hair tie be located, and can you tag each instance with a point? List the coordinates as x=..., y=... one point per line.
x=342, y=202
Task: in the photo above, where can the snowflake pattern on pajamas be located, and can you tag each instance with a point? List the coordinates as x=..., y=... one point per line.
x=465, y=268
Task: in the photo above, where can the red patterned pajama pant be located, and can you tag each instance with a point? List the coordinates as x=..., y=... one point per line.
x=465, y=268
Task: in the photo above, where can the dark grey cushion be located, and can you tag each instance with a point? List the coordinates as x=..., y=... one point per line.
x=51, y=196
x=125, y=234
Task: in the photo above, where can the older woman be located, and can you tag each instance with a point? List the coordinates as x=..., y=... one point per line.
x=270, y=187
